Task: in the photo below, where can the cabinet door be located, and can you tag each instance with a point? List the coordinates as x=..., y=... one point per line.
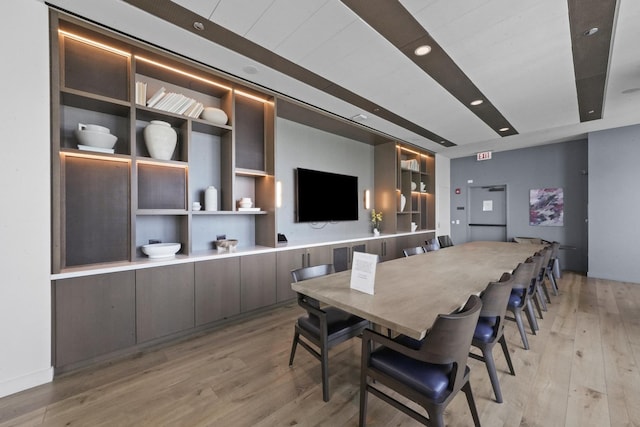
x=217, y=288
x=164, y=300
x=94, y=315
x=257, y=281
x=285, y=262
x=319, y=255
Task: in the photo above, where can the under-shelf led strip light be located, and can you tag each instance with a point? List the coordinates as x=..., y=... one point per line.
x=94, y=157
x=169, y=165
x=94, y=43
x=179, y=71
x=248, y=95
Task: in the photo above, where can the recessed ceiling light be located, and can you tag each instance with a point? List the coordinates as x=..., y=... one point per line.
x=358, y=117
x=591, y=31
x=477, y=102
x=250, y=69
x=198, y=25
x=591, y=111
x=503, y=129
x=422, y=50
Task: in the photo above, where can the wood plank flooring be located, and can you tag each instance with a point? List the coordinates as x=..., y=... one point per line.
x=582, y=370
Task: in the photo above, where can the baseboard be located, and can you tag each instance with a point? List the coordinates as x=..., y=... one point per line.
x=15, y=385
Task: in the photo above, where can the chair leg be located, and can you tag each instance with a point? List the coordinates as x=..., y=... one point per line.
x=472, y=404
x=533, y=322
x=523, y=334
x=546, y=291
x=325, y=372
x=536, y=300
x=507, y=356
x=487, y=354
x=363, y=403
x=552, y=279
x=543, y=302
x=296, y=337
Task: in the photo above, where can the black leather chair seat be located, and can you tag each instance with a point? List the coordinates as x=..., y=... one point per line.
x=339, y=323
x=429, y=379
x=485, y=329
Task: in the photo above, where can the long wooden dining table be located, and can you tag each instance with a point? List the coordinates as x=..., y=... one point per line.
x=410, y=292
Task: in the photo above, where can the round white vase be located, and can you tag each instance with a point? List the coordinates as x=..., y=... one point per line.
x=160, y=139
x=214, y=115
x=211, y=198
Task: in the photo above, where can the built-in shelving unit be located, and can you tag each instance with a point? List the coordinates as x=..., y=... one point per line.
x=112, y=204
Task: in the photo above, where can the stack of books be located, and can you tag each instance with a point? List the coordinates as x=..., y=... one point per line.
x=173, y=103
x=141, y=93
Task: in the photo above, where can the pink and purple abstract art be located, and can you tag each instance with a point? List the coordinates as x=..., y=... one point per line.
x=546, y=207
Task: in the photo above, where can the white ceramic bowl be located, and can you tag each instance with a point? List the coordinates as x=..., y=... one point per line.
x=96, y=139
x=214, y=115
x=161, y=250
x=93, y=128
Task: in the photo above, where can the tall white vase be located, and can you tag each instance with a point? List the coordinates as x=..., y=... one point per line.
x=403, y=202
x=211, y=199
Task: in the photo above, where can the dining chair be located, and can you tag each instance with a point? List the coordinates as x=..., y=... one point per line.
x=445, y=241
x=429, y=372
x=552, y=267
x=520, y=299
x=432, y=245
x=413, y=251
x=490, y=328
x=322, y=327
x=542, y=274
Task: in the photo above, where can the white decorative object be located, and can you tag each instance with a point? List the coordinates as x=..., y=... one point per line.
x=413, y=186
x=423, y=187
x=160, y=139
x=414, y=226
x=161, y=250
x=245, y=202
x=403, y=202
x=95, y=136
x=228, y=245
x=376, y=232
x=215, y=116
x=211, y=199
x=196, y=206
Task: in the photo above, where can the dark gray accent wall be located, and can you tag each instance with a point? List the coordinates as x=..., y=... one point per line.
x=614, y=203
x=555, y=165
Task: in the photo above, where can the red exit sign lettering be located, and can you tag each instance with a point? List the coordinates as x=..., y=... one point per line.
x=485, y=155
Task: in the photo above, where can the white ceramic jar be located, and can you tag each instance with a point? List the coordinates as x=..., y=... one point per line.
x=211, y=199
x=160, y=139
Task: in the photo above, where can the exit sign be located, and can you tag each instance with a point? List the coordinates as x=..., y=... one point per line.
x=485, y=155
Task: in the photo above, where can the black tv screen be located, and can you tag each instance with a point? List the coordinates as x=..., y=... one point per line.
x=325, y=196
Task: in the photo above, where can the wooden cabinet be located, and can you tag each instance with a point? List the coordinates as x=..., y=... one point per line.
x=217, y=289
x=107, y=204
x=257, y=281
x=294, y=259
x=405, y=187
x=343, y=255
x=93, y=316
x=164, y=301
x=385, y=248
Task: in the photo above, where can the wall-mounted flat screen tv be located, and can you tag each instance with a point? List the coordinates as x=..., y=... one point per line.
x=325, y=196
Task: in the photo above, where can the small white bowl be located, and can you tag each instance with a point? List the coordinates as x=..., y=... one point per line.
x=96, y=139
x=161, y=250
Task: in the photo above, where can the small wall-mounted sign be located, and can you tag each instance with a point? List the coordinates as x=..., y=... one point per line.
x=483, y=155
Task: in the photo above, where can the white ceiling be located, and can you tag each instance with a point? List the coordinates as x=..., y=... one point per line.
x=518, y=53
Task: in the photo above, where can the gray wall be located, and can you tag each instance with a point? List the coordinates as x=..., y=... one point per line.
x=300, y=146
x=555, y=165
x=614, y=203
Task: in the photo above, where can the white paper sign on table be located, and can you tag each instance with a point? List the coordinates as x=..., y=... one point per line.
x=363, y=272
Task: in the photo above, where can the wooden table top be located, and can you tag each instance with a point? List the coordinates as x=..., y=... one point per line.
x=411, y=292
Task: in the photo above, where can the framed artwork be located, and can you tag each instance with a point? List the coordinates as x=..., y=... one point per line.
x=546, y=207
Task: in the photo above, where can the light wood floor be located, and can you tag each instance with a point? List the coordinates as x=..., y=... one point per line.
x=582, y=370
